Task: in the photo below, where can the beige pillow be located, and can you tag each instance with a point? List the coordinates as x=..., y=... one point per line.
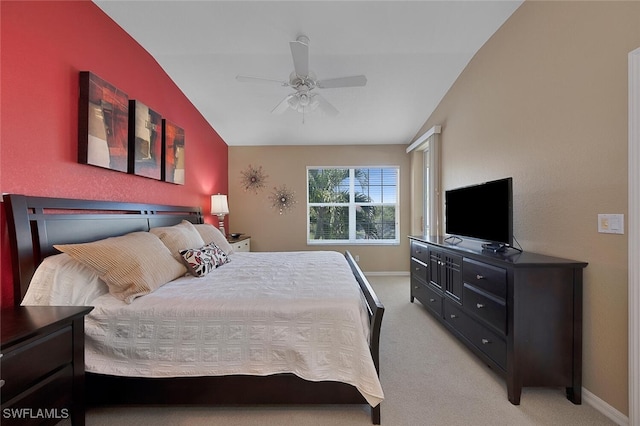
x=211, y=234
x=179, y=237
x=132, y=265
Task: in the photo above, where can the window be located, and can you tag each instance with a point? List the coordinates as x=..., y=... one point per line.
x=352, y=205
x=428, y=146
x=428, y=192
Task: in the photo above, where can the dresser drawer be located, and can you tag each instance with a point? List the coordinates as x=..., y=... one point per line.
x=427, y=296
x=486, y=307
x=244, y=245
x=419, y=270
x=487, y=277
x=28, y=363
x=420, y=251
x=488, y=342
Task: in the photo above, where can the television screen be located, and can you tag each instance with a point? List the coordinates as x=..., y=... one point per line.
x=483, y=211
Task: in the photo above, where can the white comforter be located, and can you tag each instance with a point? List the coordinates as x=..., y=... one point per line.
x=260, y=314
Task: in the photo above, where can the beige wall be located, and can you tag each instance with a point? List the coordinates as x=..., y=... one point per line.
x=545, y=101
x=253, y=214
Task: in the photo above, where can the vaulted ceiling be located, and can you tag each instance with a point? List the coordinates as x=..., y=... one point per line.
x=410, y=51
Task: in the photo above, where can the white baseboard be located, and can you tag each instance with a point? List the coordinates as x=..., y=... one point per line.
x=387, y=274
x=604, y=408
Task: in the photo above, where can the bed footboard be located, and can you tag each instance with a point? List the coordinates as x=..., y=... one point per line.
x=376, y=310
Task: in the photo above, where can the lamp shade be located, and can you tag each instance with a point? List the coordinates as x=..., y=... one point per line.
x=219, y=204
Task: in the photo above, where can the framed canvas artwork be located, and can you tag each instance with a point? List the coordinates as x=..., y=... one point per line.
x=103, y=125
x=173, y=153
x=145, y=141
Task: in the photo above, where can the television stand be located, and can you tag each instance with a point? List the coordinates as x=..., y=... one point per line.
x=521, y=314
x=495, y=247
x=452, y=239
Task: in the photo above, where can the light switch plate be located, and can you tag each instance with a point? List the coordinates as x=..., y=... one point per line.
x=611, y=223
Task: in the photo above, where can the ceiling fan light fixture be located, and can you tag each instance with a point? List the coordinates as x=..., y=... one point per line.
x=303, y=39
x=303, y=102
x=304, y=99
x=304, y=81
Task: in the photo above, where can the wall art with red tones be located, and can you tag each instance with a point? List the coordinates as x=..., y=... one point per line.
x=103, y=126
x=145, y=141
x=173, y=153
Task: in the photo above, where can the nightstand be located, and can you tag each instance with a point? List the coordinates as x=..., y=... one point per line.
x=242, y=243
x=42, y=375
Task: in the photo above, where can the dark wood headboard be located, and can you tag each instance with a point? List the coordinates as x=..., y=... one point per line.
x=35, y=224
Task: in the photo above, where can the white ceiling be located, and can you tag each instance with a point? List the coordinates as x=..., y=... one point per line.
x=410, y=51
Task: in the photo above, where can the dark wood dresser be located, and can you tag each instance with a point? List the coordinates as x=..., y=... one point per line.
x=42, y=364
x=521, y=313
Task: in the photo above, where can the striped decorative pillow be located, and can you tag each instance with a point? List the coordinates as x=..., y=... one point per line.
x=132, y=265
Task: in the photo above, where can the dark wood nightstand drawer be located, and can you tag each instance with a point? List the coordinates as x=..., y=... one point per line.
x=488, y=342
x=25, y=364
x=490, y=309
x=52, y=394
x=427, y=296
x=42, y=363
x=420, y=251
x=486, y=277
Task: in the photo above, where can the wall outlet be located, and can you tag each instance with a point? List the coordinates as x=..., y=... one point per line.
x=611, y=223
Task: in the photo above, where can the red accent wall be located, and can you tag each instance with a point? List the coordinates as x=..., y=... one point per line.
x=44, y=46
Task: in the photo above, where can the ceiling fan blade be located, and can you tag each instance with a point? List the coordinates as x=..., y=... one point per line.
x=325, y=106
x=300, y=54
x=352, y=81
x=250, y=79
x=282, y=106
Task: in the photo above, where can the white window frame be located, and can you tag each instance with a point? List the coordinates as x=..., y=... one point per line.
x=429, y=144
x=352, y=209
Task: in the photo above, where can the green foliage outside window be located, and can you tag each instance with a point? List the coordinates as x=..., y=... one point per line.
x=339, y=196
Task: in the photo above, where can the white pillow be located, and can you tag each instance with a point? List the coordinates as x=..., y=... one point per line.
x=211, y=234
x=61, y=280
x=132, y=265
x=179, y=237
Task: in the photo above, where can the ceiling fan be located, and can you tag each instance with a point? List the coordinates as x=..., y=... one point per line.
x=304, y=82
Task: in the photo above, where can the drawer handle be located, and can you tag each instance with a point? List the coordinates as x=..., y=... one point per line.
x=417, y=268
x=1, y=383
x=416, y=287
x=480, y=277
x=479, y=305
x=485, y=341
x=453, y=316
x=432, y=300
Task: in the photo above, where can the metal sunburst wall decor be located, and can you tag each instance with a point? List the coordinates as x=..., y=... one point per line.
x=253, y=179
x=282, y=198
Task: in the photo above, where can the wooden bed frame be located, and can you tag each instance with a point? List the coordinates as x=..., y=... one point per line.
x=35, y=224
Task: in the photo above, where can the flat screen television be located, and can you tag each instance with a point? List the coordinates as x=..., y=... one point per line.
x=483, y=212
